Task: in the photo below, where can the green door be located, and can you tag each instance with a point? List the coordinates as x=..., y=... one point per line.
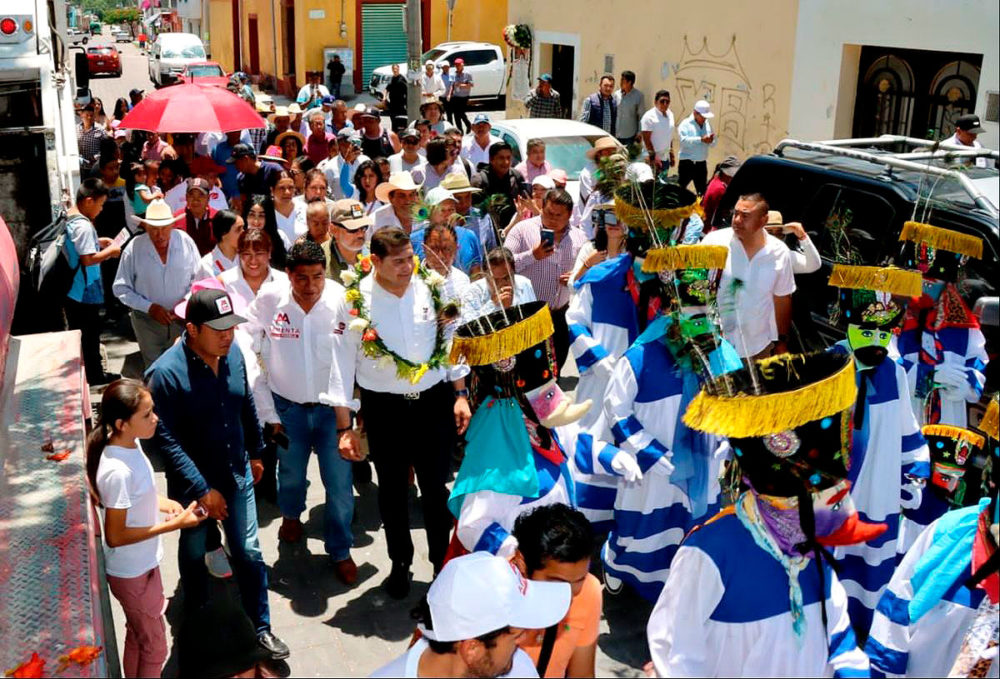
x=383, y=38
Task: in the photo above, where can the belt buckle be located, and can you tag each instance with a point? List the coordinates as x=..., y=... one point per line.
x=411, y=395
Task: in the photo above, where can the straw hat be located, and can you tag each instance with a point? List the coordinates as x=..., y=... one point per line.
x=294, y=109
x=398, y=181
x=603, y=144
x=289, y=133
x=457, y=182
x=158, y=213
x=279, y=112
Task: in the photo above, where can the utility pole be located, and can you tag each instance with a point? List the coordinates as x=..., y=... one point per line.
x=414, y=50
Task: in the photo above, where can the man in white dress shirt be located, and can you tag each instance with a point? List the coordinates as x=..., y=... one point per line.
x=155, y=273
x=411, y=422
x=399, y=194
x=291, y=326
x=476, y=147
x=755, y=293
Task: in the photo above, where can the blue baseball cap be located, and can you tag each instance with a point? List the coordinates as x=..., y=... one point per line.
x=481, y=118
x=545, y=77
x=328, y=100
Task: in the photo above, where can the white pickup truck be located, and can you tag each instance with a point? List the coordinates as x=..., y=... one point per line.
x=483, y=61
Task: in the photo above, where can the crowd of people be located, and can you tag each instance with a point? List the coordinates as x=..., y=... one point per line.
x=407, y=299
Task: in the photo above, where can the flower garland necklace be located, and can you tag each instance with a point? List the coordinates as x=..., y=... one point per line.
x=372, y=343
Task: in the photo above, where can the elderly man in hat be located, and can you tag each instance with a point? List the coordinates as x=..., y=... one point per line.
x=399, y=193
x=602, y=148
x=458, y=95
x=967, y=128
x=156, y=271
x=281, y=121
x=476, y=148
x=195, y=218
x=543, y=101
x=696, y=138
x=348, y=227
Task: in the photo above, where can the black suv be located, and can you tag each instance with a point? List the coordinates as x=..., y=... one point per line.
x=853, y=202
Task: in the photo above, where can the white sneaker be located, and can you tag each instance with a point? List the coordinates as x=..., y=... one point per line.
x=218, y=563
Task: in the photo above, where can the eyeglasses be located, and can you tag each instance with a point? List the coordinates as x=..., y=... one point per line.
x=663, y=101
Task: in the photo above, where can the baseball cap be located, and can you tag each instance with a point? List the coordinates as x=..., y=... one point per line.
x=241, y=151
x=135, y=91
x=460, y=60
x=328, y=100
x=544, y=181
x=198, y=184
x=429, y=63
x=438, y=195
x=480, y=593
x=481, y=118
x=369, y=111
x=545, y=77
x=210, y=307
x=444, y=62
x=969, y=123
x=729, y=165
x=558, y=175
x=704, y=108
x=350, y=214
x=409, y=133
x=346, y=133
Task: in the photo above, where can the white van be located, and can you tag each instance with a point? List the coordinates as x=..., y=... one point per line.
x=170, y=53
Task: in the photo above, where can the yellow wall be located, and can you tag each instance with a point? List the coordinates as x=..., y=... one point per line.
x=480, y=20
x=315, y=34
x=738, y=55
x=220, y=32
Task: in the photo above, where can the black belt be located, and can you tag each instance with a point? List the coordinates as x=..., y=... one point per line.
x=408, y=396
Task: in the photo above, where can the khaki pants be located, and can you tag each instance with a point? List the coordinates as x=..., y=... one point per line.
x=154, y=338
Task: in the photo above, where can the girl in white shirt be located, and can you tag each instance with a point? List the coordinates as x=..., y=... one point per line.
x=122, y=478
x=226, y=229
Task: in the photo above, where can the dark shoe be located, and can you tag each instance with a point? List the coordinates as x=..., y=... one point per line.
x=346, y=571
x=397, y=585
x=290, y=531
x=275, y=647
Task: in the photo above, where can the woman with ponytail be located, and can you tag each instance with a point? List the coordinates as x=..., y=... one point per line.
x=122, y=479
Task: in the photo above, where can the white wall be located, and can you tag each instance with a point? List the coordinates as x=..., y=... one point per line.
x=825, y=26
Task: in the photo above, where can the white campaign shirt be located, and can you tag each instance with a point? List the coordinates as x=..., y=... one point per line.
x=125, y=481
x=176, y=198
x=296, y=347
x=143, y=279
x=407, y=664
x=215, y=262
x=236, y=284
x=408, y=327
x=747, y=290
x=662, y=128
x=287, y=225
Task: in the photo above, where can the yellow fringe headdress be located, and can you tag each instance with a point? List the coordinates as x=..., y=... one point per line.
x=686, y=257
x=991, y=419
x=508, y=341
x=747, y=415
x=635, y=216
x=955, y=433
x=878, y=278
x=942, y=239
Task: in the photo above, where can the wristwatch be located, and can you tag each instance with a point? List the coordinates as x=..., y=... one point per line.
x=461, y=393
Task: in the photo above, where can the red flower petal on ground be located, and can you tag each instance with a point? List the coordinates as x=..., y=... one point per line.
x=58, y=457
x=82, y=655
x=35, y=667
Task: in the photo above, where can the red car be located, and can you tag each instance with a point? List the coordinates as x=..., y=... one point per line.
x=204, y=73
x=104, y=59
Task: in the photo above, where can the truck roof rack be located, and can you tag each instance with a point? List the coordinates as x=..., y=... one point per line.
x=918, y=149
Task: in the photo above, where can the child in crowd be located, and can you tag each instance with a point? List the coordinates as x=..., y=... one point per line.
x=146, y=190
x=122, y=478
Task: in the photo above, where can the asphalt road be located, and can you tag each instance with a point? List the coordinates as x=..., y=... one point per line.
x=333, y=630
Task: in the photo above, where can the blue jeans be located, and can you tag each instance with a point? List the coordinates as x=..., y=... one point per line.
x=312, y=428
x=248, y=562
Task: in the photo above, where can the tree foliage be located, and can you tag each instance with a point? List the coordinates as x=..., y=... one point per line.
x=126, y=16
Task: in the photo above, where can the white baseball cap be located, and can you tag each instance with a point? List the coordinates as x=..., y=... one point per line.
x=704, y=108
x=545, y=181
x=480, y=593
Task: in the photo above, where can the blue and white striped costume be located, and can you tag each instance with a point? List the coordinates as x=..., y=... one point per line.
x=644, y=403
x=725, y=612
x=906, y=641
x=886, y=454
x=603, y=322
x=964, y=348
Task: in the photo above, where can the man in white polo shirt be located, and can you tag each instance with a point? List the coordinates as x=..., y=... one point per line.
x=474, y=613
x=755, y=293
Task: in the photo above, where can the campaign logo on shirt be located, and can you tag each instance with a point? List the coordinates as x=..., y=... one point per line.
x=281, y=327
x=339, y=329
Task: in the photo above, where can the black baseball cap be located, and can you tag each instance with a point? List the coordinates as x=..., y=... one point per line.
x=135, y=91
x=970, y=123
x=241, y=151
x=213, y=308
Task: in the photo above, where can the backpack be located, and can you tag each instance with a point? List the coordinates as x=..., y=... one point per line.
x=49, y=268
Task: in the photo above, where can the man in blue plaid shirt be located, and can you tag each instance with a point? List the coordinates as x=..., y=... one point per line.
x=543, y=102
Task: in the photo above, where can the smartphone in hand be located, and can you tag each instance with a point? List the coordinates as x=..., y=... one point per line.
x=549, y=237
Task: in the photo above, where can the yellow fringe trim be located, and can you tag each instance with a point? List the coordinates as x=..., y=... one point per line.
x=957, y=433
x=636, y=217
x=991, y=419
x=686, y=257
x=746, y=415
x=943, y=239
x=504, y=343
x=881, y=279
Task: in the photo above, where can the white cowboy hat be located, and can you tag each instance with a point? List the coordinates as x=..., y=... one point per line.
x=603, y=144
x=398, y=181
x=158, y=213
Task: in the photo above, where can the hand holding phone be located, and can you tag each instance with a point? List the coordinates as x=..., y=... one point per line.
x=548, y=237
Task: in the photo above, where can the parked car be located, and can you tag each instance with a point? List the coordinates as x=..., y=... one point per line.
x=104, y=59
x=483, y=60
x=204, y=73
x=171, y=53
x=566, y=143
x=74, y=36
x=853, y=199
x=121, y=34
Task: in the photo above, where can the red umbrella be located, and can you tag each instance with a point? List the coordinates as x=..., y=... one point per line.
x=192, y=108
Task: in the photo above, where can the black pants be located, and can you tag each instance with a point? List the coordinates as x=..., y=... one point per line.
x=448, y=114
x=418, y=433
x=560, y=338
x=693, y=171
x=459, y=105
x=87, y=319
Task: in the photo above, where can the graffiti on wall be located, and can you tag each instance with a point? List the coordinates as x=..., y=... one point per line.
x=744, y=114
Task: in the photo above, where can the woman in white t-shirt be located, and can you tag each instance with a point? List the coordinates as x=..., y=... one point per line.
x=122, y=478
x=226, y=228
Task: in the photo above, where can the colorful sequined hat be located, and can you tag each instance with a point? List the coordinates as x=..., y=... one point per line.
x=957, y=459
x=936, y=252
